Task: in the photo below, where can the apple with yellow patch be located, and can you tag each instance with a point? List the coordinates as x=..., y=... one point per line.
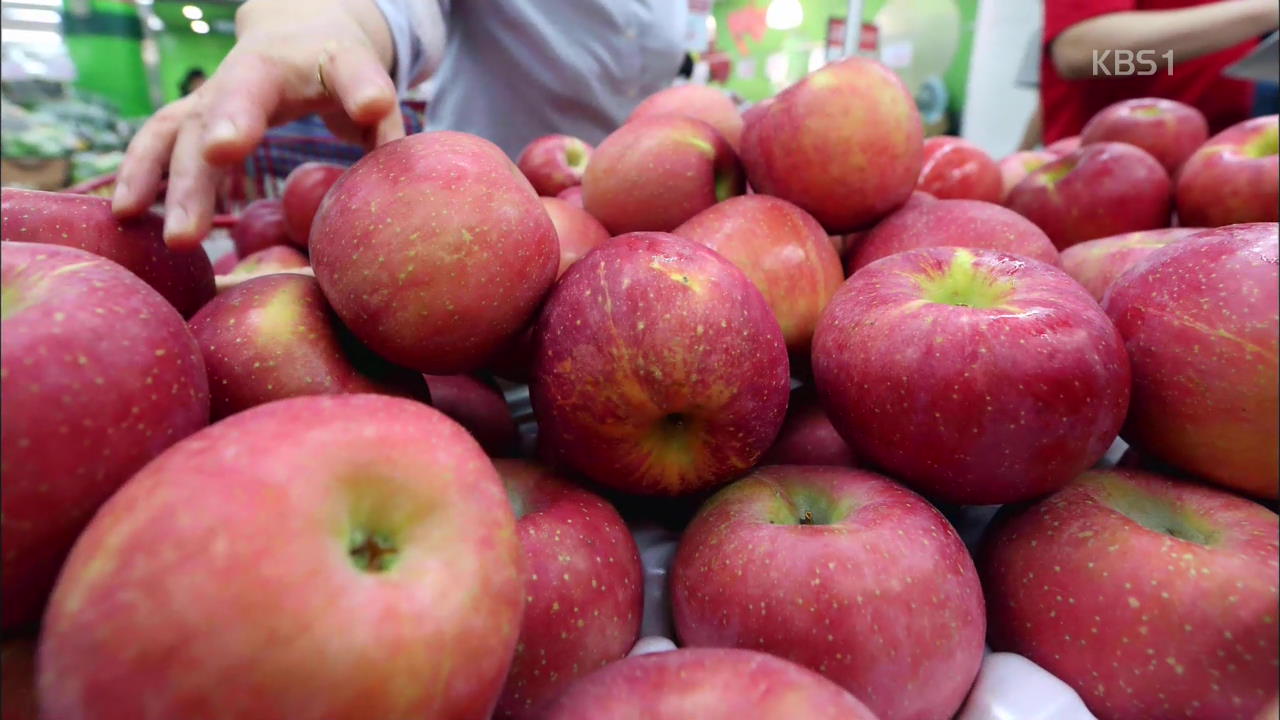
x=554, y=163
x=701, y=102
x=1096, y=264
x=1234, y=177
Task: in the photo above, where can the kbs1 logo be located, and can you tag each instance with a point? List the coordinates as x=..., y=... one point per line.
x=1126, y=63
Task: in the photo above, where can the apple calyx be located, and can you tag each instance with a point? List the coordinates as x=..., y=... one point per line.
x=1149, y=110
x=372, y=552
x=1157, y=514
x=807, y=506
x=1051, y=173
x=1264, y=144
x=963, y=284
x=575, y=156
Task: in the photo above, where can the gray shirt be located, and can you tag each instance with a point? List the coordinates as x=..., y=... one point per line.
x=513, y=70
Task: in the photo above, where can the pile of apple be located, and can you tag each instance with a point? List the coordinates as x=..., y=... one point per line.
x=334, y=547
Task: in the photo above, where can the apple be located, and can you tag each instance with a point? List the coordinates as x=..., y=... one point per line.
x=844, y=144
x=975, y=377
x=1198, y=319
x=18, y=677
x=808, y=437
x=1232, y=178
x=261, y=225
x=843, y=572
x=1151, y=597
x=658, y=368
x=584, y=587
x=1097, y=191
x=275, y=337
x=326, y=557
x=707, y=684
x=226, y=262
x=1167, y=129
x=1096, y=264
x=1017, y=166
x=435, y=251
x=784, y=252
x=577, y=231
x=554, y=163
x=99, y=375
x=963, y=223
x=304, y=189
x=267, y=261
x=655, y=172
x=700, y=102
x=479, y=408
x=184, y=278
x=571, y=195
x=956, y=168
x=1064, y=146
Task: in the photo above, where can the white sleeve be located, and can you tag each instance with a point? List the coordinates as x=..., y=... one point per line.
x=418, y=33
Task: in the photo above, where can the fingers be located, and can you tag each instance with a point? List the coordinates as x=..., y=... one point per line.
x=193, y=183
x=354, y=76
x=146, y=159
x=242, y=97
x=391, y=127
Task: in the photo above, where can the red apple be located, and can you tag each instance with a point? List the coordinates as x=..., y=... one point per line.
x=18, y=677
x=99, y=375
x=706, y=684
x=226, y=262
x=1232, y=178
x=963, y=223
x=656, y=172
x=184, y=278
x=844, y=144
x=571, y=195
x=267, y=261
x=554, y=163
x=1167, y=129
x=1151, y=597
x=1096, y=264
x=1064, y=147
x=700, y=102
x=1097, y=191
x=976, y=377
x=577, y=231
x=1014, y=168
x=841, y=571
x=956, y=168
x=808, y=437
x=261, y=225
x=1198, y=318
x=275, y=337
x=304, y=189
x=782, y=249
x=434, y=250
x=338, y=557
x=584, y=587
x=659, y=368
x=479, y=408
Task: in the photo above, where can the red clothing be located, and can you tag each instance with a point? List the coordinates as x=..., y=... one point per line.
x=1068, y=104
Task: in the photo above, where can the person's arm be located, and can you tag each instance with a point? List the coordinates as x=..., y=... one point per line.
x=1188, y=32
x=291, y=58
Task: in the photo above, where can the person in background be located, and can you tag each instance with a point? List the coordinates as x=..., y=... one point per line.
x=508, y=71
x=1190, y=42
x=195, y=77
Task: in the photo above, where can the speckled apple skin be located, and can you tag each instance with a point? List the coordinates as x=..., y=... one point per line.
x=185, y=279
x=707, y=684
x=584, y=587
x=1219, y=185
x=885, y=601
x=1171, y=131
x=1105, y=189
x=99, y=375
x=1140, y=623
x=784, y=251
x=578, y=233
x=708, y=104
x=261, y=225
x=217, y=585
x=844, y=143
x=964, y=223
x=434, y=250
x=478, y=407
x=1096, y=264
x=955, y=168
x=1199, y=319
x=303, y=192
x=971, y=405
x=645, y=326
x=275, y=337
x=655, y=172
